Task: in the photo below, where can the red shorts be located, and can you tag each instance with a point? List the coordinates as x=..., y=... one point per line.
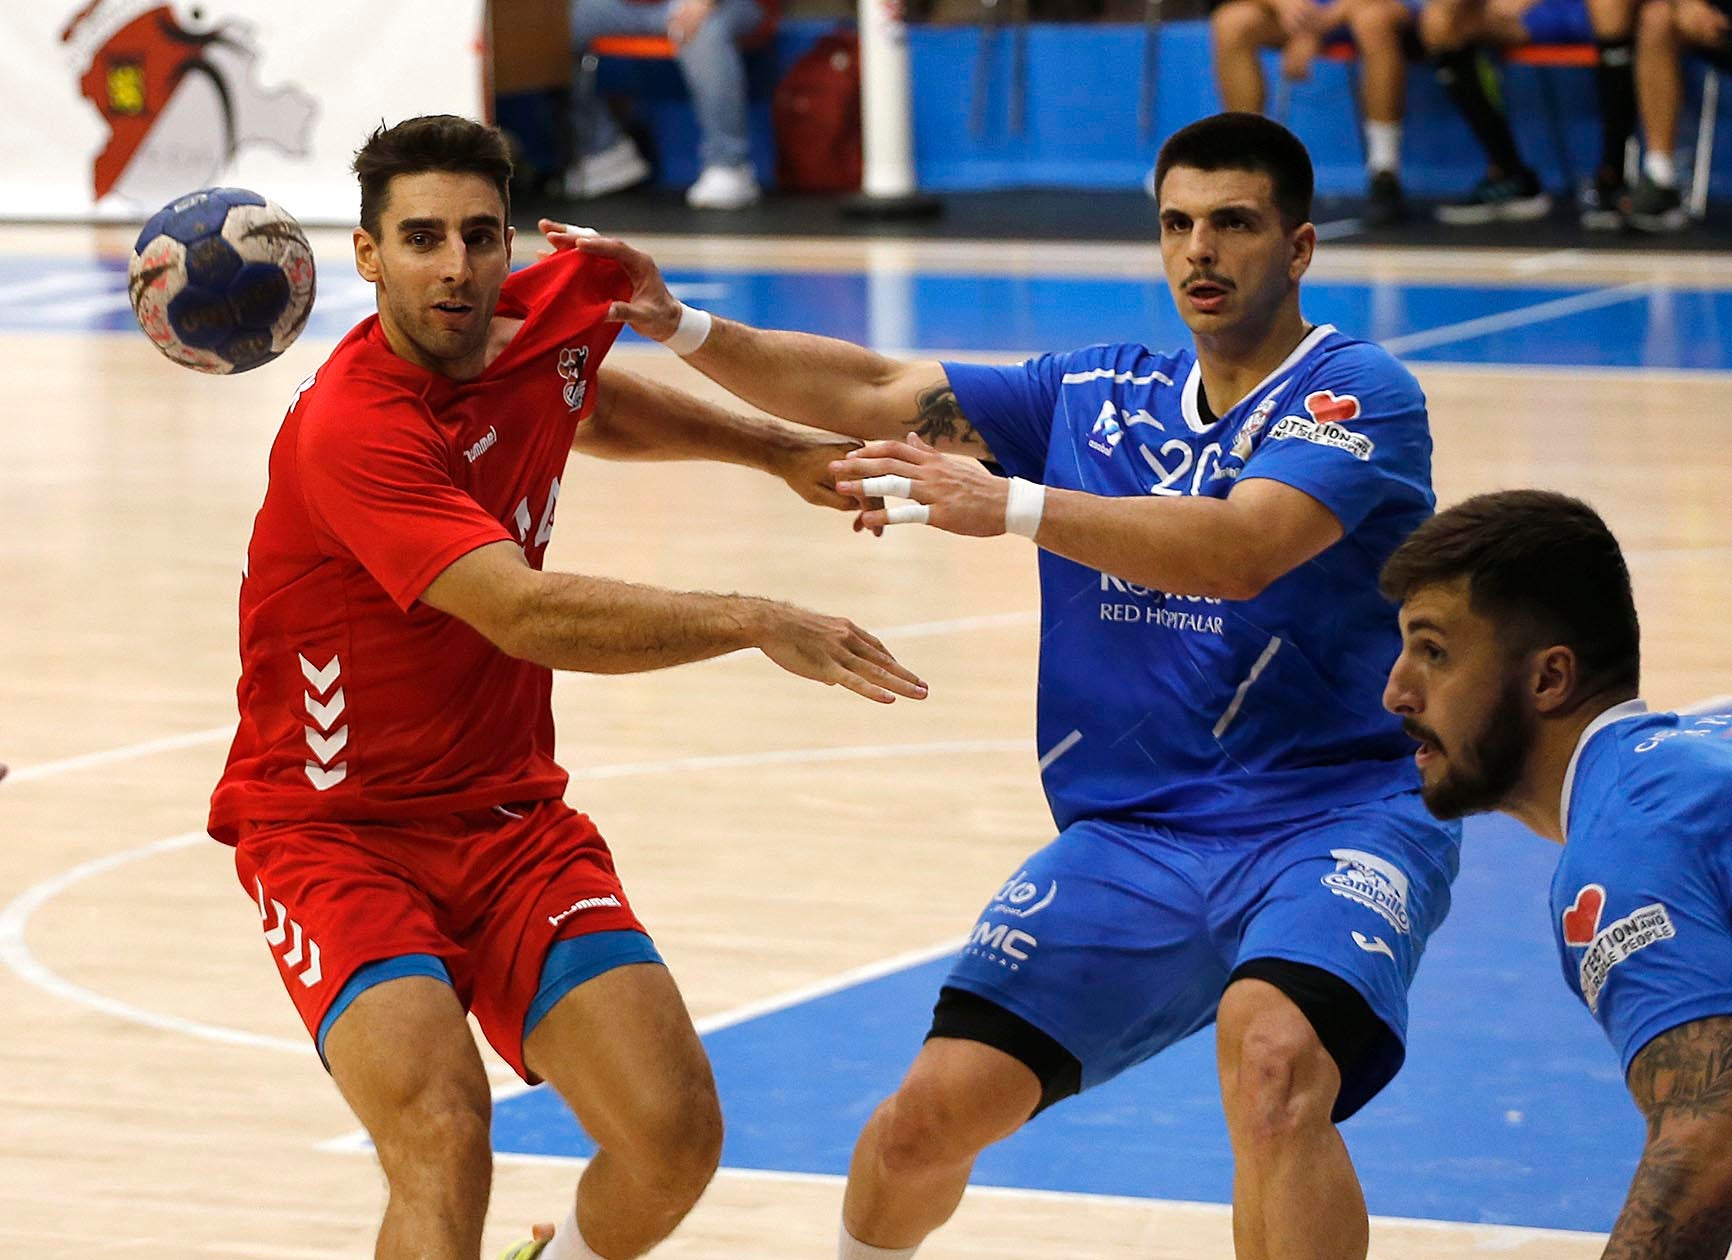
x=486, y=891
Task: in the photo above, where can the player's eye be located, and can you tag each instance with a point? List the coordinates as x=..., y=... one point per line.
x=1431, y=652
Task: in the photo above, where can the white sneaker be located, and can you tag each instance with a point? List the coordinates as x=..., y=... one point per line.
x=724, y=188
x=618, y=166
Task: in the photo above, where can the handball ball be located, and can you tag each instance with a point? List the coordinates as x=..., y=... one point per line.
x=221, y=280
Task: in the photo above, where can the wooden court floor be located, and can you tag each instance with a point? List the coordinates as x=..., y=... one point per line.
x=157, y=1100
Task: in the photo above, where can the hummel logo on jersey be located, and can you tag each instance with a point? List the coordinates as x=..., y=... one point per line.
x=576, y=907
x=278, y=926
x=1373, y=945
x=572, y=361
x=481, y=447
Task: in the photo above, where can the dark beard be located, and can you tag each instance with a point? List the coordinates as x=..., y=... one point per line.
x=1497, y=756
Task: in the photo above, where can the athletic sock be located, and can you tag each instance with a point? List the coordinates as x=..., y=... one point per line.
x=1382, y=147
x=1468, y=80
x=849, y=1247
x=1615, y=77
x=568, y=1241
x=1660, y=168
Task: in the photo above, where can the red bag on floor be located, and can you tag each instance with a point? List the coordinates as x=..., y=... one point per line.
x=816, y=115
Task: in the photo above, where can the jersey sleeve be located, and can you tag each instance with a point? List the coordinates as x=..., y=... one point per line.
x=1359, y=439
x=1662, y=952
x=378, y=487
x=1012, y=406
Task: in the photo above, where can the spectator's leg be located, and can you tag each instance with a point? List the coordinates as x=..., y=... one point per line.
x=1238, y=29
x=1451, y=30
x=593, y=128
x=715, y=73
x=1656, y=205
x=1615, y=77
x=1378, y=27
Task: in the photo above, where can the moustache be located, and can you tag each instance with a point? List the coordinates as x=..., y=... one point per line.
x=1205, y=277
x=1422, y=734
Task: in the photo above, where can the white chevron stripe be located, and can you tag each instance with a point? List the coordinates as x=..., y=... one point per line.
x=259, y=887
x=327, y=746
x=324, y=780
x=313, y=974
x=321, y=679
x=292, y=959
x=327, y=713
x=276, y=933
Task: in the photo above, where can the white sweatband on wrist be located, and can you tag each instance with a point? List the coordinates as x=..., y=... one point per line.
x=691, y=332
x=1023, y=508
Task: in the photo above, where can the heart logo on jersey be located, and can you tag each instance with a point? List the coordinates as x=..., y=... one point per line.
x=1582, y=920
x=1326, y=408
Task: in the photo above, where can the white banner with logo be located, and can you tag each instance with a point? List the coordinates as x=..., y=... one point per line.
x=110, y=108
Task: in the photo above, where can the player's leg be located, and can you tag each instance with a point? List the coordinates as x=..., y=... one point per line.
x=1092, y=957
x=1314, y=1021
x=621, y=1051
x=1380, y=29
x=1238, y=29
x=363, y=956
x=570, y=989
x=427, y=1113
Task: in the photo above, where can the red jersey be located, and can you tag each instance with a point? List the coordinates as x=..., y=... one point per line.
x=358, y=702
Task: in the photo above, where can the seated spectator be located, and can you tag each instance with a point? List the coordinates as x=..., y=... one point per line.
x=1454, y=30
x=706, y=35
x=1665, y=28
x=1240, y=28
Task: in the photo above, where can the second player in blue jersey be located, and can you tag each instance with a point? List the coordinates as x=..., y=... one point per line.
x=1240, y=836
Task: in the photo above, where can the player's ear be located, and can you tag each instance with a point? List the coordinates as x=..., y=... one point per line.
x=366, y=256
x=510, y=236
x=1553, y=674
x=1304, y=246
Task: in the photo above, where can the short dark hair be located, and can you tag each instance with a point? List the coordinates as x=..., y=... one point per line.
x=1542, y=564
x=1245, y=142
x=432, y=142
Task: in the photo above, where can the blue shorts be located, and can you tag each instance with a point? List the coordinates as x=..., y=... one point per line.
x=1558, y=22
x=1117, y=939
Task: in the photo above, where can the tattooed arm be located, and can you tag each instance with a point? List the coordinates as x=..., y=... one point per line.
x=1680, y=1202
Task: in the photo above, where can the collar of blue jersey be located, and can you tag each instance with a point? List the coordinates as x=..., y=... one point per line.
x=1617, y=713
x=1194, y=382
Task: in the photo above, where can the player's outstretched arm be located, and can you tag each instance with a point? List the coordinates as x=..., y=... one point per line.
x=602, y=626
x=1228, y=548
x=637, y=418
x=817, y=381
x=1680, y=1202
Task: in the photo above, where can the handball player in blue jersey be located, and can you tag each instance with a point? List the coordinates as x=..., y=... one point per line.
x=1518, y=674
x=1240, y=835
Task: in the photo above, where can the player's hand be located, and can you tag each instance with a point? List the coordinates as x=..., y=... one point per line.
x=951, y=492
x=836, y=652
x=685, y=18
x=1701, y=23
x=653, y=311
x=807, y=472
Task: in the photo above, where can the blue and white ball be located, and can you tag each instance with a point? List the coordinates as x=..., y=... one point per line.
x=221, y=280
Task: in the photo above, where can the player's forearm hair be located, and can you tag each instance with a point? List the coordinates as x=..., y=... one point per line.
x=836, y=385
x=639, y=419
x=1679, y=1206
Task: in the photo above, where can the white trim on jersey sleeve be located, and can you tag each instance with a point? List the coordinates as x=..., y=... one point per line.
x=1617, y=713
x=1194, y=382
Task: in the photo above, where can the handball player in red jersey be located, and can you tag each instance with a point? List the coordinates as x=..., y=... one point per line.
x=391, y=794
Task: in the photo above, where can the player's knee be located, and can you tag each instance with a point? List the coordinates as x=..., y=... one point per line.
x=1654, y=23
x=676, y=1144
x=1377, y=25
x=444, y=1130
x=927, y=1124
x=1277, y=1078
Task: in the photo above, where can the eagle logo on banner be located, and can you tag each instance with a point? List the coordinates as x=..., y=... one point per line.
x=179, y=91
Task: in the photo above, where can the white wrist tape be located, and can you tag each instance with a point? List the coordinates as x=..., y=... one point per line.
x=1023, y=508
x=692, y=331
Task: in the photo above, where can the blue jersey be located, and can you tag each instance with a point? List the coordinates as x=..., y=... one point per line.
x=1642, y=897
x=1204, y=713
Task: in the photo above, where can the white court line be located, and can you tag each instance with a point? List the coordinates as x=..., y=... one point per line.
x=1521, y=317
x=1536, y=264
x=15, y=917
x=60, y=283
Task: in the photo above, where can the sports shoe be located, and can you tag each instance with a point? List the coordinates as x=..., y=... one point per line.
x=724, y=188
x=524, y=1250
x=1499, y=199
x=1603, y=201
x=1656, y=208
x=618, y=166
x=1384, y=204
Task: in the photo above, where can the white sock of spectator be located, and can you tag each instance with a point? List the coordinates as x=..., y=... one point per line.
x=1659, y=167
x=1382, y=147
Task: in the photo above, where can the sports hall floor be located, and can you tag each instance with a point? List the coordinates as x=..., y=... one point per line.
x=805, y=858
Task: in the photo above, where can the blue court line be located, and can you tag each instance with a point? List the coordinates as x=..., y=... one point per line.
x=1626, y=327
x=1510, y=1109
